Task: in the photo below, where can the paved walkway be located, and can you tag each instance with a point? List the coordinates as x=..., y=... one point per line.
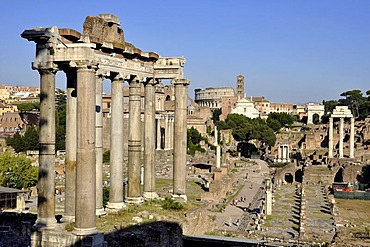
x=228, y=220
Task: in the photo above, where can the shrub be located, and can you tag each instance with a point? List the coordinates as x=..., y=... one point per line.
x=169, y=204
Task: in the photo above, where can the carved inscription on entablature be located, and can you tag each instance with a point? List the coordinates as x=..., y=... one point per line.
x=124, y=64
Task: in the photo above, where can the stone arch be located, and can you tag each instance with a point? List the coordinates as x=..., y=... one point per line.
x=316, y=118
x=288, y=177
x=339, y=175
x=299, y=176
x=168, y=98
x=314, y=110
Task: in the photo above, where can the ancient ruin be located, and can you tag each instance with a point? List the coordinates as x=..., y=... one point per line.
x=100, y=52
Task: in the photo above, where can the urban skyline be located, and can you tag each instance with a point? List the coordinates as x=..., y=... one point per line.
x=289, y=52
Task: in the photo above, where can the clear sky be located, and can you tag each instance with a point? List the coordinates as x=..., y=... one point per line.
x=290, y=51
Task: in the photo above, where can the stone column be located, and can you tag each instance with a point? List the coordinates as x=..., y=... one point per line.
x=46, y=172
x=158, y=133
x=180, y=139
x=149, y=141
x=330, y=155
x=99, y=144
x=341, y=136
x=167, y=134
x=116, y=145
x=352, y=139
x=71, y=147
x=134, y=142
x=86, y=161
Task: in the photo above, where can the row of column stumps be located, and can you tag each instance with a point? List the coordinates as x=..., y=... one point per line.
x=84, y=153
x=341, y=137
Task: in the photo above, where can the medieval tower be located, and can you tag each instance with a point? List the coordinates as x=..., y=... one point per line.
x=240, y=86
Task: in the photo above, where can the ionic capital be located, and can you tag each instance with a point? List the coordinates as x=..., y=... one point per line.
x=84, y=65
x=45, y=68
x=119, y=76
x=181, y=82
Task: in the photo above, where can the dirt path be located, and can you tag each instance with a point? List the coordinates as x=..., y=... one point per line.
x=228, y=219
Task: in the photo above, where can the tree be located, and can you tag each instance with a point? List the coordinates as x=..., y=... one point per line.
x=329, y=105
x=17, y=142
x=282, y=117
x=245, y=129
x=60, y=127
x=274, y=124
x=352, y=99
x=17, y=171
x=31, y=138
x=193, y=141
x=216, y=115
x=28, y=106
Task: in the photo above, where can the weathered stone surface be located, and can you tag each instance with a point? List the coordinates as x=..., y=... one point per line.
x=102, y=30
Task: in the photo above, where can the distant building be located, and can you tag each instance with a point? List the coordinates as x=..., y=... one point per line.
x=212, y=97
x=240, y=86
x=246, y=108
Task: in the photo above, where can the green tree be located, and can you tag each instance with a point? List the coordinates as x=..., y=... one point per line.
x=193, y=141
x=17, y=171
x=24, y=107
x=282, y=117
x=274, y=124
x=353, y=99
x=216, y=115
x=60, y=127
x=329, y=105
x=245, y=129
x=31, y=138
x=17, y=142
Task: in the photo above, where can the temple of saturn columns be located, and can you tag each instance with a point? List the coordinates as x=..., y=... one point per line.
x=99, y=53
x=341, y=112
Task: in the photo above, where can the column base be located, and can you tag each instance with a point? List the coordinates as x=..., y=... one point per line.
x=114, y=207
x=84, y=231
x=150, y=195
x=45, y=224
x=179, y=198
x=134, y=200
x=62, y=238
x=68, y=219
x=100, y=211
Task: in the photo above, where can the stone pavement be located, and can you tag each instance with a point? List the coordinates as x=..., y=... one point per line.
x=228, y=219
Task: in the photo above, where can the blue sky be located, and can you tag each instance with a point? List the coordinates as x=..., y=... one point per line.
x=289, y=51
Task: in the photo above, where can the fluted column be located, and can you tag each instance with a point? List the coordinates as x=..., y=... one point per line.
x=134, y=142
x=341, y=136
x=149, y=141
x=352, y=139
x=86, y=160
x=116, y=145
x=330, y=155
x=71, y=147
x=180, y=139
x=99, y=144
x=46, y=171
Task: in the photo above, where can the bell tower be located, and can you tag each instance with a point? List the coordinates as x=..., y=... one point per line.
x=240, y=86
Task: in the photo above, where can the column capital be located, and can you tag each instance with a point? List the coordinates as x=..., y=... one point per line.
x=103, y=73
x=84, y=64
x=46, y=67
x=151, y=81
x=183, y=82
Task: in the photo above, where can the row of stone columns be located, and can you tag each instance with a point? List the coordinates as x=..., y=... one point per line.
x=83, y=164
x=341, y=137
